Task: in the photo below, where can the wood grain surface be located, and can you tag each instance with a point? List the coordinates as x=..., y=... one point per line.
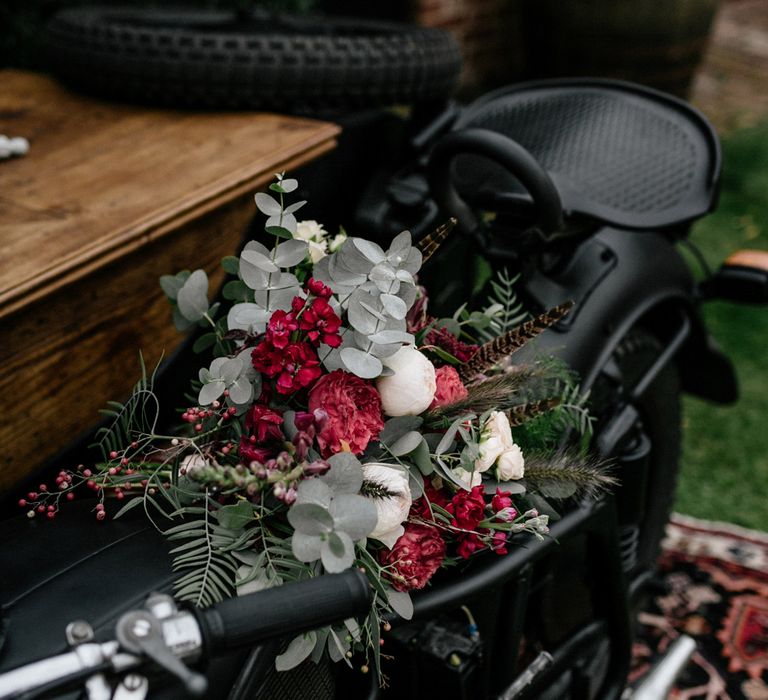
x=109, y=198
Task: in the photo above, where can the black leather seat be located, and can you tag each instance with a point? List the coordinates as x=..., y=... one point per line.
x=617, y=152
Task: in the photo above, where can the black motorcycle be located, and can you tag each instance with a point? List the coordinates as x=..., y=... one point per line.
x=583, y=188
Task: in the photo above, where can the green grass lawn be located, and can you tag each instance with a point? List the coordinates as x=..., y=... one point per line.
x=725, y=449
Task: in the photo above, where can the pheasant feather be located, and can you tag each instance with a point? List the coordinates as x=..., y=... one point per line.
x=499, y=348
x=430, y=243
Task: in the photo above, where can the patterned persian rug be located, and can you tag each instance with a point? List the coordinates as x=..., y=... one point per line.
x=714, y=589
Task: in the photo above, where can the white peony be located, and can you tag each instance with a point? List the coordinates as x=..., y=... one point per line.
x=411, y=389
x=392, y=510
x=317, y=251
x=497, y=447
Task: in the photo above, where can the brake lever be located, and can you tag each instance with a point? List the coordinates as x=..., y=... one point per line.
x=140, y=632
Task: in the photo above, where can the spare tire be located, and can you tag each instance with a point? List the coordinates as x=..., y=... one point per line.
x=252, y=60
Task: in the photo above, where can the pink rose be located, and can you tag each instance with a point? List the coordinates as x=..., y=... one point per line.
x=449, y=386
x=416, y=556
x=353, y=409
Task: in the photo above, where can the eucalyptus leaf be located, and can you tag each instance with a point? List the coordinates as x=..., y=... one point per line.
x=401, y=603
x=384, y=337
x=337, y=552
x=296, y=652
x=193, y=296
x=241, y=391
x=315, y=491
x=306, y=548
x=394, y=306
x=293, y=208
x=210, y=392
x=344, y=476
x=259, y=260
x=354, y=515
x=397, y=427
x=171, y=284
x=406, y=444
x=204, y=342
x=230, y=264
x=399, y=247
x=451, y=325
x=370, y=250
x=361, y=363
x=291, y=253
x=310, y=519
x=286, y=221
x=235, y=290
x=288, y=184
x=267, y=205
x=278, y=231
x=247, y=316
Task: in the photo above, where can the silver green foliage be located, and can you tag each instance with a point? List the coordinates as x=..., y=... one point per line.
x=329, y=515
x=235, y=375
x=376, y=288
x=188, y=293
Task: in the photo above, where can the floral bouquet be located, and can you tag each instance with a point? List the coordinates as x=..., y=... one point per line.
x=338, y=424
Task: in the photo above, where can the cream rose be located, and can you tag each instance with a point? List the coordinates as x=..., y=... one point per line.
x=497, y=447
x=392, y=509
x=310, y=230
x=411, y=388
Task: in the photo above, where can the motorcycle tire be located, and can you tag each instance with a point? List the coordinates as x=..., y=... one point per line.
x=253, y=60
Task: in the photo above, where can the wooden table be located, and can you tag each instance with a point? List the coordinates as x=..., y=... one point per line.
x=109, y=198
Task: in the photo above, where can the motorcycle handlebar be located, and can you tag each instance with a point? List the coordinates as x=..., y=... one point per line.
x=285, y=610
x=238, y=622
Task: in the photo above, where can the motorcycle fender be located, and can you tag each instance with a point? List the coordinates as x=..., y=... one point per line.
x=620, y=279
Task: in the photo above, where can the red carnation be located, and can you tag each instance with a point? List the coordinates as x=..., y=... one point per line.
x=264, y=423
x=415, y=558
x=420, y=507
x=281, y=325
x=502, y=500
x=353, y=409
x=449, y=386
x=467, y=508
x=468, y=545
x=321, y=323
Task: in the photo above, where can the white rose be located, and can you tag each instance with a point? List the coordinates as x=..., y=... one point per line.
x=310, y=230
x=495, y=439
x=392, y=510
x=411, y=388
x=317, y=251
x=511, y=464
x=338, y=239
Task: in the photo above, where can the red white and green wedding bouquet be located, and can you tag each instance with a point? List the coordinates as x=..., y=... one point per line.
x=338, y=424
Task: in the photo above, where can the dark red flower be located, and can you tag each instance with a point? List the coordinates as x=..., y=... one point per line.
x=296, y=366
x=467, y=508
x=297, y=304
x=443, y=338
x=420, y=507
x=468, y=545
x=321, y=323
x=415, y=558
x=281, y=325
x=264, y=423
x=318, y=289
x=499, y=544
x=502, y=499
x=249, y=452
x=353, y=409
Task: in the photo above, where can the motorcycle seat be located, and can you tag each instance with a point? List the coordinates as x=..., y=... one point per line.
x=620, y=153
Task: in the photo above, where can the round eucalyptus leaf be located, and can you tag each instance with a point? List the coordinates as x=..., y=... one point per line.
x=289, y=184
x=263, y=262
x=370, y=250
x=192, y=298
x=241, y=391
x=291, y=253
x=306, y=548
x=267, y=205
x=394, y=306
x=406, y=444
x=314, y=491
x=337, y=552
x=354, y=515
x=310, y=519
x=361, y=363
x=292, y=208
x=246, y=317
x=401, y=603
x=344, y=476
x=385, y=337
x=210, y=392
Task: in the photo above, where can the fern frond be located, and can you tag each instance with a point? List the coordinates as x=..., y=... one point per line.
x=431, y=242
x=497, y=349
x=509, y=312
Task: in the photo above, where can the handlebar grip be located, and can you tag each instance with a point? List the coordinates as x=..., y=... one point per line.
x=285, y=610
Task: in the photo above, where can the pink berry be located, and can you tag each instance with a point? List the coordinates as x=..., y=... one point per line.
x=51, y=509
x=43, y=488
x=41, y=509
x=100, y=515
x=31, y=495
x=99, y=506
x=113, y=455
x=198, y=427
x=51, y=515
x=87, y=472
x=70, y=496
x=22, y=503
